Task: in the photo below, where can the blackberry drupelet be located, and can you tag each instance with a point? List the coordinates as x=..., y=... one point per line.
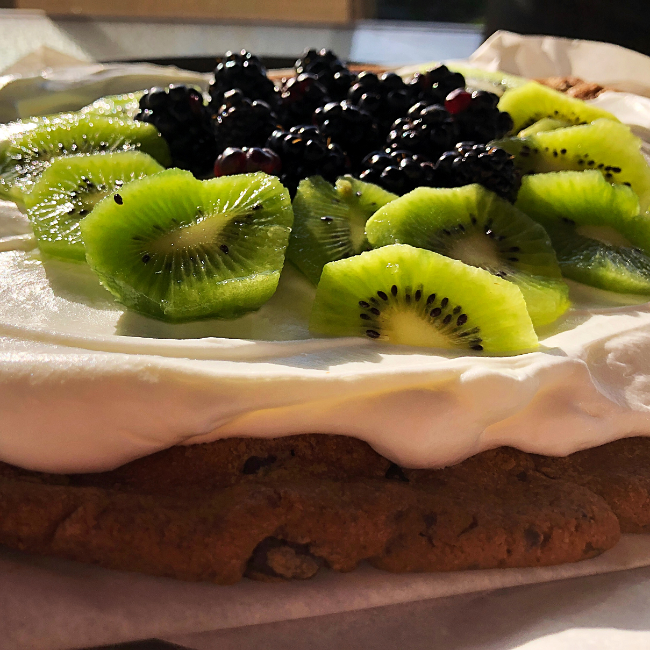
x=241, y=122
x=477, y=116
x=249, y=159
x=184, y=122
x=386, y=98
x=434, y=85
x=478, y=163
x=427, y=129
x=304, y=152
x=349, y=127
x=330, y=70
x=244, y=71
x=397, y=171
x=300, y=97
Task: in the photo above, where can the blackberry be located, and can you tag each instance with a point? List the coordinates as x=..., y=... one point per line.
x=397, y=171
x=427, y=129
x=244, y=71
x=433, y=86
x=300, y=97
x=242, y=122
x=386, y=98
x=332, y=73
x=478, y=163
x=304, y=152
x=351, y=128
x=184, y=122
x=246, y=160
x=477, y=116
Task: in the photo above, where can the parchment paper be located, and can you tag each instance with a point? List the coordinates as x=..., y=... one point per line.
x=51, y=604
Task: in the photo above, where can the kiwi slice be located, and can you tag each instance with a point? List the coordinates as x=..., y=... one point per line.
x=401, y=294
x=600, y=237
x=479, y=79
x=609, y=147
x=476, y=226
x=70, y=188
x=330, y=221
x=176, y=248
x=125, y=106
x=533, y=101
x=545, y=124
x=25, y=157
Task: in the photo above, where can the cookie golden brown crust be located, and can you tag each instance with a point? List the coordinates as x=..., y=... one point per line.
x=282, y=508
x=574, y=87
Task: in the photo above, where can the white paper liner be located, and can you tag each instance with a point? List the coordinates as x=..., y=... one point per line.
x=50, y=604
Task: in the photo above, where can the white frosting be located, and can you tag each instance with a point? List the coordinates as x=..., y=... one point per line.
x=85, y=385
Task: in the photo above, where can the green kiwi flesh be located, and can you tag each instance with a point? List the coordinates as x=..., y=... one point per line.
x=609, y=147
x=24, y=158
x=405, y=295
x=600, y=237
x=330, y=221
x=69, y=189
x=545, y=124
x=478, y=79
x=533, y=101
x=479, y=228
x=176, y=248
x=123, y=106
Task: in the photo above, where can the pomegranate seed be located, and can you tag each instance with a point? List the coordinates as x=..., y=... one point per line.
x=457, y=101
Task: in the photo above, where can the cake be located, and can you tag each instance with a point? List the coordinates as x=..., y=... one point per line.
x=288, y=452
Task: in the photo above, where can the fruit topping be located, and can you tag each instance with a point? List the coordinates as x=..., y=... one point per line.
x=477, y=227
x=532, y=102
x=330, y=221
x=610, y=147
x=596, y=229
x=478, y=119
x=433, y=86
x=397, y=171
x=405, y=295
x=246, y=160
x=385, y=97
x=428, y=130
x=331, y=72
x=177, y=248
x=25, y=157
x=70, y=188
x=305, y=152
x=241, y=122
x=182, y=119
x=348, y=126
x=478, y=163
x=244, y=71
x=300, y=97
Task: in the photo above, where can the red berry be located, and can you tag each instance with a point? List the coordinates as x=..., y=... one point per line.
x=231, y=161
x=457, y=101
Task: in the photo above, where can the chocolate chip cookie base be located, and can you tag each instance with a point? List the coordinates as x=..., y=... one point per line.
x=285, y=507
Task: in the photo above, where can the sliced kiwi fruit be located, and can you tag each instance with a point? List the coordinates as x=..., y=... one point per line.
x=533, y=101
x=545, y=124
x=410, y=296
x=600, y=237
x=70, y=188
x=330, y=221
x=609, y=147
x=476, y=226
x=176, y=248
x=479, y=79
x=123, y=106
x=25, y=157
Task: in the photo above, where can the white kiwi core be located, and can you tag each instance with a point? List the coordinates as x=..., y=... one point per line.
x=407, y=328
x=604, y=234
x=476, y=250
x=204, y=231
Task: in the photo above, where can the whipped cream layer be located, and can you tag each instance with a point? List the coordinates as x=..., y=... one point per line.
x=88, y=386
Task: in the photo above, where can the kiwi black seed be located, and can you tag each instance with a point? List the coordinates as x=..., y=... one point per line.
x=178, y=249
x=24, y=158
x=479, y=228
x=330, y=220
x=406, y=295
x=69, y=189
